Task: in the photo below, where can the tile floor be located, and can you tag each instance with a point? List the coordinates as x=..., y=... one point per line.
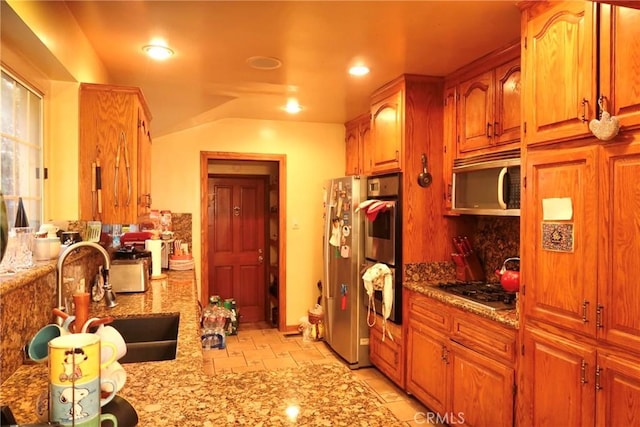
x=257, y=347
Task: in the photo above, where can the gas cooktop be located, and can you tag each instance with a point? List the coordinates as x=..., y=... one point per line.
x=489, y=295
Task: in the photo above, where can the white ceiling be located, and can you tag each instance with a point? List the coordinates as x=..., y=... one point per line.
x=208, y=77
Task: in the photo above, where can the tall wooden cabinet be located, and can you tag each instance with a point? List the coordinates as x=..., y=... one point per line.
x=114, y=132
x=564, y=46
x=580, y=322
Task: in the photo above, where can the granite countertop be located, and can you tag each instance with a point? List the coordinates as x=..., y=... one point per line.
x=505, y=317
x=179, y=392
x=148, y=383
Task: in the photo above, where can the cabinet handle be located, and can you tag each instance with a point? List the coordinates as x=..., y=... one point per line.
x=584, y=103
x=599, y=309
x=445, y=355
x=489, y=130
x=442, y=356
x=397, y=155
x=585, y=305
x=583, y=372
x=495, y=128
x=598, y=386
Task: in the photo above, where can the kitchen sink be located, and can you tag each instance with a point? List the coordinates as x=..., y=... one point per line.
x=149, y=338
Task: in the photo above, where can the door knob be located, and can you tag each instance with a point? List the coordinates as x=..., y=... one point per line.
x=260, y=259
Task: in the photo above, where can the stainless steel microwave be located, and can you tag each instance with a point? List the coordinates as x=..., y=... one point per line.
x=488, y=188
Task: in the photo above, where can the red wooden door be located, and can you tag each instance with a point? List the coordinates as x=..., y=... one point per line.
x=236, y=242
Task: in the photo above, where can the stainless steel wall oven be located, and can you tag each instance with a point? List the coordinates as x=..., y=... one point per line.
x=383, y=238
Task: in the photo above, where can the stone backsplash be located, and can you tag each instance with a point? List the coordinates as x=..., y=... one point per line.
x=494, y=240
x=26, y=300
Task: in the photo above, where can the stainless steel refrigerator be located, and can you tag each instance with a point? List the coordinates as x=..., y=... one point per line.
x=343, y=292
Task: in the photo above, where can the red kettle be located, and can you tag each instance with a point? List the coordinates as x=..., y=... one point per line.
x=510, y=279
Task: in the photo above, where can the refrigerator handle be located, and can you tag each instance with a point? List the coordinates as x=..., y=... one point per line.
x=326, y=249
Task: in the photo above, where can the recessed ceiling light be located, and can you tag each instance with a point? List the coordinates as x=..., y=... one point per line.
x=359, y=70
x=292, y=107
x=264, y=62
x=157, y=51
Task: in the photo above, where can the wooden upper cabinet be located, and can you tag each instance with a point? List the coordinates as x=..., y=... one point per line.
x=476, y=113
x=559, y=60
x=353, y=152
x=506, y=126
x=387, y=130
x=114, y=131
x=449, y=144
x=488, y=103
x=144, y=163
x=619, y=63
x=365, y=141
x=357, y=145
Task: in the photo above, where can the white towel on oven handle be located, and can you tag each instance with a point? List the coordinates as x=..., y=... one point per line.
x=378, y=278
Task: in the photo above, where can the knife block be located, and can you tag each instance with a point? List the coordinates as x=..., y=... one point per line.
x=473, y=269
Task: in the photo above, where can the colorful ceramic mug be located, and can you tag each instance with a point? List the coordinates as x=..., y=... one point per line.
x=38, y=349
x=74, y=380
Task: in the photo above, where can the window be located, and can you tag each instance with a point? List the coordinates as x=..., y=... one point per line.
x=21, y=148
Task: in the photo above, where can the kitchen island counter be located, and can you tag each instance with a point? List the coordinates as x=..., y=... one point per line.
x=162, y=392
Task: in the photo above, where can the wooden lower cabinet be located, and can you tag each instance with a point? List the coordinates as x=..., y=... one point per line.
x=481, y=388
x=573, y=383
x=459, y=377
x=427, y=373
x=619, y=393
x=388, y=355
x=558, y=389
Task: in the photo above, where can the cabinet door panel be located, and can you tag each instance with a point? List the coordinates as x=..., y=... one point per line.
x=560, y=284
x=619, y=292
x=560, y=388
x=427, y=376
x=617, y=400
x=476, y=113
x=506, y=127
x=386, y=132
x=365, y=139
x=482, y=389
x=620, y=63
x=559, y=60
x=352, y=150
x=449, y=144
x=144, y=165
x=386, y=355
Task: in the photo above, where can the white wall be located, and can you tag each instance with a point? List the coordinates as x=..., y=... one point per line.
x=315, y=152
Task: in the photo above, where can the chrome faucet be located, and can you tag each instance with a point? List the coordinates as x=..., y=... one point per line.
x=110, y=296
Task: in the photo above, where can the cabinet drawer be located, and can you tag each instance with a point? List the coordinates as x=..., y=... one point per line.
x=484, y=336
x=429, y=312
